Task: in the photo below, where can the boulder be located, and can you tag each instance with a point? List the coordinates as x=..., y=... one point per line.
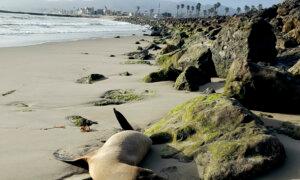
x=243, y=38
x=169, y=48
x=226, y=140
x=199, y=57
x=142, y=55
x=263, y=87
x=295, y=70
x=190, y=79
x=166, y=74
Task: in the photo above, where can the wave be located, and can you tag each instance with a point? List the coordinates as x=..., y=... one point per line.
x=27, y=28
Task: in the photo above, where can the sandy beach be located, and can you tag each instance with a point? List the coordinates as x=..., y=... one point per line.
x=43, y=81
x=46, y=93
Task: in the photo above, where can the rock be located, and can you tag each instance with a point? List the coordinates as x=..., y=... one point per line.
x=117, y=37
x=153, y=46
x=137, y=62
x=161, y=138
x=213, y=33
x=167, y=74
x=288, y=58
x=245, y=39
x=137, y=42
x=190, y=79
x=112, y=55
x=156, y=31
x=286, y=42
x=287, y=6
x=139, y=48
x=295, y=70
x=125, y=74
x=118, y=96
x=209, y=91
x=290, y=129
x=170, y=59
x=225, y=139
x=263, y=87
x=199, y=57
x=143, y=54
x=169, y=48
x=91, y=79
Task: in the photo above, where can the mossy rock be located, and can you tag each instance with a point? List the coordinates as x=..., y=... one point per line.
x=225, y=139
x=264, y=88
x=125, y=95
x=200, y=57
x=91, y=79
x=290, y=129
x=137, y=62
x=170, y=59
x=190, y=79
x=168, y=74
x=119, y=96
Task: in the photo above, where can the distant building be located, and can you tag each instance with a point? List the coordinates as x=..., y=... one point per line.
x=166, y=15
x=99, y=12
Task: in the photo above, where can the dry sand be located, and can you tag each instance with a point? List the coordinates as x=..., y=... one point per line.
x=46, y=93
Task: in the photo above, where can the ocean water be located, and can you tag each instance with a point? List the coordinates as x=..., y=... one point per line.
x=23, y=30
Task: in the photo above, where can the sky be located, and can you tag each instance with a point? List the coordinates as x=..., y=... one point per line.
x=36, y=4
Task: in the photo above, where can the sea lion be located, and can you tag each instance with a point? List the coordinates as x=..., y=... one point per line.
x=118, y=158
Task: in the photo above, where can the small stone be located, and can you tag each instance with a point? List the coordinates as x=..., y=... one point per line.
x=209, y=90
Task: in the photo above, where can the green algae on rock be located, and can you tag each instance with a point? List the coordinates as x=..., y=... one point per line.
x=262, y=87
x=225, y=139
x=291, y=129
x=119, y=96
x=137, y=62
x=167, y=74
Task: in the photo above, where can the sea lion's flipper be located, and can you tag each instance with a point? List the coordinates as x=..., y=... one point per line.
x=80, y=161
x=122, y=121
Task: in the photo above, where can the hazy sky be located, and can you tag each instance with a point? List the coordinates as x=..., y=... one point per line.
x=34, y=4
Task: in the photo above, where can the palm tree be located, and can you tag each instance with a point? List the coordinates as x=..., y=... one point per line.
x=178, y=7
x=137, y=10
x=151, y=12
x=182, y=7
x=193, y=9
x=247, y=8
x=211, y=11
x=216, y=6
x=198, y=8
x=187, y=10
x=226, y=10
x=260, y=7
x=238, y=10
x=204, y=12
x=253, y=8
